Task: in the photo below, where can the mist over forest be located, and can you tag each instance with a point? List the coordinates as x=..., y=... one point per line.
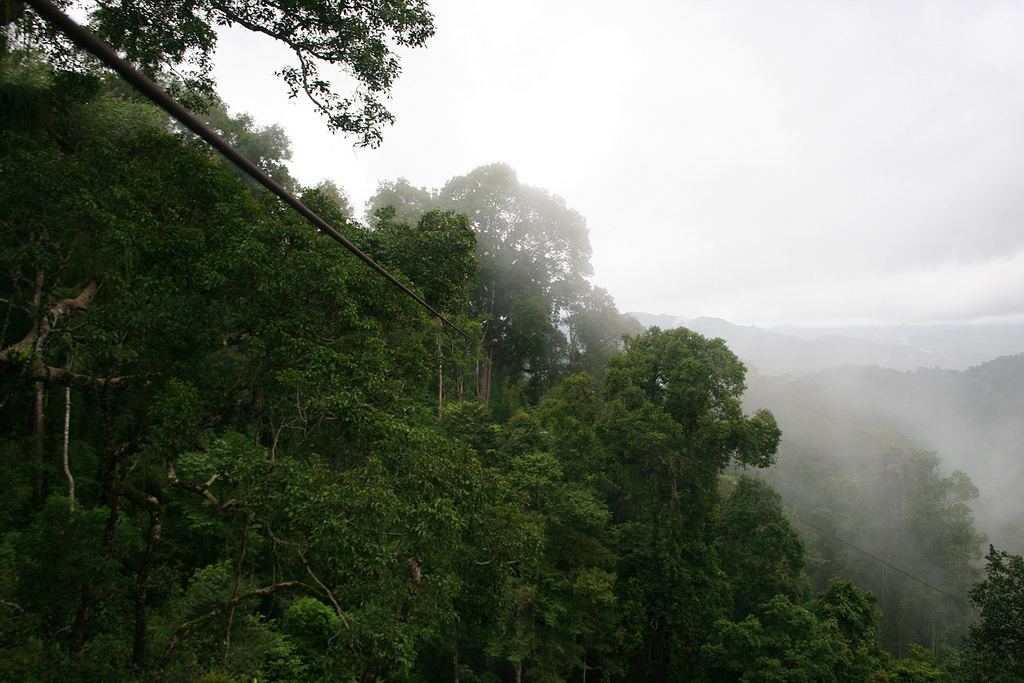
x=957, y=391
x=235, y=451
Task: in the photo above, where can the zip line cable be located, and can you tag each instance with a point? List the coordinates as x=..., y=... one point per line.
x=852, y=546
x=91, y=43
x=881, y=561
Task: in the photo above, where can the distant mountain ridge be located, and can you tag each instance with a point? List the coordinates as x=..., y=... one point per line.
x=794, y=350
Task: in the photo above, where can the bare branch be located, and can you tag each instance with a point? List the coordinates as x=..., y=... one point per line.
x=325, y=589
x=51, y=375
x=12, y=605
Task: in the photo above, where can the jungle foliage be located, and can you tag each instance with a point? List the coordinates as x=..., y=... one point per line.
x=232, y=453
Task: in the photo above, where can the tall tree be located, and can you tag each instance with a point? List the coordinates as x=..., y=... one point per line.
x=994, y=647
x=867, y=482
x=268, y=147
x=534, y=254
x=674, y=422
x=595, y=330
x=559, y=604
x=436, y=256
x=760, y=552
x=407, y=202
x=831, y=639
x=542, y=319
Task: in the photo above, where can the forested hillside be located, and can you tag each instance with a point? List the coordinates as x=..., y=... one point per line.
x=971, y=418
x=874, y=505
x=232, y=452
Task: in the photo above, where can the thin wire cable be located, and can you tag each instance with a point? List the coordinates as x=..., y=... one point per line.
x=881, y=561
x=850, y=545
x=90, y=42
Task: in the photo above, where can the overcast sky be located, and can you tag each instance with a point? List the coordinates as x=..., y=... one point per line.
x=795, y=162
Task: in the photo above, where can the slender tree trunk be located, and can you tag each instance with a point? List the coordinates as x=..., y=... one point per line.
x=455, y=651
x=110, y=473
x=484, y=375
x=142, y=591
x=238, y=585
x=38, y=432
x=81, y=619
x=440, y=375
x=39, y=439
x=88, y=593
x=67, y=467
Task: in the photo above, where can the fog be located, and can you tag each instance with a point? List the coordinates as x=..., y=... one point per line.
x=969, y=417
x=790, y=163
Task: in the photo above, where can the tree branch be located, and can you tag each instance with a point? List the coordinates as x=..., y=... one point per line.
x=203, y=490
x=35, y=337
x=325, y=589
x=146, y=502
x=182, y=631
x=51, y=375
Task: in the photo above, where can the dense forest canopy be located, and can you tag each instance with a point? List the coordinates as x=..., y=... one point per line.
x=232, y=454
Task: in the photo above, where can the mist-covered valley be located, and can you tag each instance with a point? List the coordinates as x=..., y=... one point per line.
x=954, y=390
x=893, y=442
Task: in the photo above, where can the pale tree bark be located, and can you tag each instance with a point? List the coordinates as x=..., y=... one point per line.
x=484, y=374
x=26, y=353
x=31, y=342
x=67, y=466
x=45, y=322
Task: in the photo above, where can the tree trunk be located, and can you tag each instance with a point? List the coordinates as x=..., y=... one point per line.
x=485, y=374
x=81, y=619
x=142, y=590
x=238, y=585
x=440, y=376
x=67, y=467
x=455, y=651
x=88, y=593
x=38, y=445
